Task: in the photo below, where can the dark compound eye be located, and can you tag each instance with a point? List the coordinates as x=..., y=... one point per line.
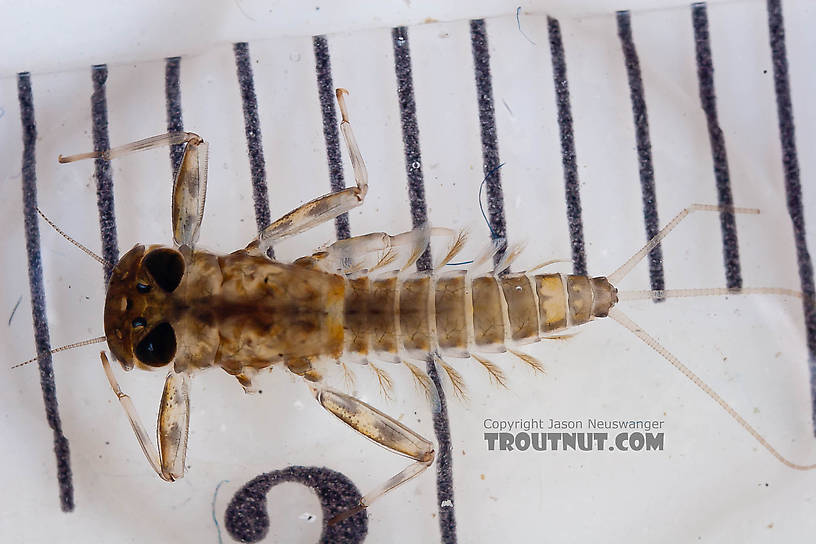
x=166, y=266
x=139, y=322
x=142, y=287
x=159, y=346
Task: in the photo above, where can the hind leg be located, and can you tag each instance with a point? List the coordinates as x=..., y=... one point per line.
x=382, y=429
x=354, y=254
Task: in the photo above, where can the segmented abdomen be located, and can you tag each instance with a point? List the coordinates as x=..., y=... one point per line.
x=456, y=314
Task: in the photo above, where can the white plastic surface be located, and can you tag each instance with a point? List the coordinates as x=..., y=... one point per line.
x=712, y=482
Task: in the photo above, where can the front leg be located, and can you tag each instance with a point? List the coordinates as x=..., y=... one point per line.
x=326, y=207
x=382, y=429
x=174, y=421
x=189, y=187
x=189, y=193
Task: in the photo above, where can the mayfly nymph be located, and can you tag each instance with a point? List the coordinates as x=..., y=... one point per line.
x=185, y=309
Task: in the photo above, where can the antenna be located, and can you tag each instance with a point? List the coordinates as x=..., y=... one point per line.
x=96, y=340
x=93, y=255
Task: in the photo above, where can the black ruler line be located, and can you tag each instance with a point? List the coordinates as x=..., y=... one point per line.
x=793, y=186
x=419, y=217
x=708, y=100
x=104, y=173
x=572, y=189
x=644, y=148
x=325, y=89
x=487, y=124
x=35, y=282
x=252, y=128
x=410, y=136
x=172, y=94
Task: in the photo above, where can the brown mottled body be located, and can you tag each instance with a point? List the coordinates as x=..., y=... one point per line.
x=245, y=312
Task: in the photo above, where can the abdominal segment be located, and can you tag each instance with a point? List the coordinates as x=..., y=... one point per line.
x=456, y=315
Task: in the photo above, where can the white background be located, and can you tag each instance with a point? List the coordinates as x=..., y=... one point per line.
x=713, y=482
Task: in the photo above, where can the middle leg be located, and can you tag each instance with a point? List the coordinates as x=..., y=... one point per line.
x=326, y=207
